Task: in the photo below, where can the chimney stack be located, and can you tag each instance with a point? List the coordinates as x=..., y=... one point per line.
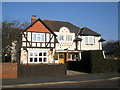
x=33, y=19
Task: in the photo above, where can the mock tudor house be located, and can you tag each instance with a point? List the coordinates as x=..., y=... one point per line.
x=51, y=41
x=38, y=43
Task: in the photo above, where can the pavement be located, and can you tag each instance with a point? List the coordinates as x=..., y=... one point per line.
x=71, y=77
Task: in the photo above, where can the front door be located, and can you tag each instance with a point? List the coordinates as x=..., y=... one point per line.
x=61, y=58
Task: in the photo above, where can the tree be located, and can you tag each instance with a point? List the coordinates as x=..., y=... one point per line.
x=11, y=31
x=117, y=51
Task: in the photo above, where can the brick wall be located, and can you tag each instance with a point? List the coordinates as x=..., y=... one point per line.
x=13, y=70
x=9, y=70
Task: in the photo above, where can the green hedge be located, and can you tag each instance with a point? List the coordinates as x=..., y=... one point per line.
x=97, y=64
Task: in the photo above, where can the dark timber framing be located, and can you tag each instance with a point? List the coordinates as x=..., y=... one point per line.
x=47, y=43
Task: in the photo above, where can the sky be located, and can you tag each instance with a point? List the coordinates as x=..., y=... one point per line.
x=101, y=17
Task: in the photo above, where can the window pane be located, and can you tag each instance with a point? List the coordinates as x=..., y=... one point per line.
x=38, y=37
x=31, y=59
x=40, y=53
x=44, y=59
x=35, y=54
x=86, y=40
x=34, y=37
x=44, y=53
x=35, y=59
x=91, y=40
x=42, y=37
x=69, y=38
x=31, y=54
x=60, y=56
x=40, y=59
x=61, y=37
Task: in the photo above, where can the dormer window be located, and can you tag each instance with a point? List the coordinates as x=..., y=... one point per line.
x=38, y=37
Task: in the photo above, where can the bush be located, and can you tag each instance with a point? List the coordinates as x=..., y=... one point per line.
x=96, y=63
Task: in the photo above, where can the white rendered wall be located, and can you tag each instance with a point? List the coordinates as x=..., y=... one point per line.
x=65, y=44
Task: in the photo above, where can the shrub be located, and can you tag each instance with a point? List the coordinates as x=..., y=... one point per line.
x=96, y=63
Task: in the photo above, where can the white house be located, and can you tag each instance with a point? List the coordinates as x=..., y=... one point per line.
x=50, y=41
x=38, y=43
x=74, y=39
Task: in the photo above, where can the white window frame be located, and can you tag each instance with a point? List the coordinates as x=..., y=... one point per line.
x=33, y=57
x=68, y=37
x=40, y=35
x=61, y=37
x=89, y=40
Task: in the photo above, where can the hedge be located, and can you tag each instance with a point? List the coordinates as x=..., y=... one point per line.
x=95, y=62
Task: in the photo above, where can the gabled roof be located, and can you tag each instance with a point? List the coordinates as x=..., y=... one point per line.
x=56, y=25
x=42, y=23
x=87, y=31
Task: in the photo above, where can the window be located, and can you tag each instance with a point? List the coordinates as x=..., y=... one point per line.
x=61, y=56
x=38, y=57
x=69, y=56
x=38, y=37
x=61, y=37
x=68, y=37
x=89, y=40
x=31, y=59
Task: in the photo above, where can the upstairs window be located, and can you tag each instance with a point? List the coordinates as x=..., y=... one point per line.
x=89, y=40
x=68, y=37
x=38, y=37
x=61, y=37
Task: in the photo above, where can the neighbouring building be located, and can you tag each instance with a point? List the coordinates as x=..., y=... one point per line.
x=51, y=41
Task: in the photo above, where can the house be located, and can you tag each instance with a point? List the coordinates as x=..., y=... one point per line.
x=38, y=43
x=51, y=41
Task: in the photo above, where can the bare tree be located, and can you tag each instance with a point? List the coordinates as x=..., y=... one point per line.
x=11, y=34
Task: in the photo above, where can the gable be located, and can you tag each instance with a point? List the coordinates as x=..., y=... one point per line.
x=38, y=27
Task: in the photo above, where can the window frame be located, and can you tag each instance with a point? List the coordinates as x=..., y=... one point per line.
x=35, y=37
x=89, y=40
x=68, y=37
x=37, y=56
x=61, y=37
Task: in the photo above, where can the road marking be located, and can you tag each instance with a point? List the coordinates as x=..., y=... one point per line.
x=50, y=83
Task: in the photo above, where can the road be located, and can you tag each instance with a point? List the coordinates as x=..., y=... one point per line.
x=73, y=84
x=72, y=80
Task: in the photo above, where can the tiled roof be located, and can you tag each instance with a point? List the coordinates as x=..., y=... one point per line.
x=87, y=31
x=56, y=25
x=39, y=26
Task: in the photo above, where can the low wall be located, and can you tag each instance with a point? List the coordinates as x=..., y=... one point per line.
x=9, y=70
x=13, y=70
x=41, y=70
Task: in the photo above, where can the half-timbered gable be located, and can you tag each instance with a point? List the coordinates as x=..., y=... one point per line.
x=38, y=43
x=38, y=35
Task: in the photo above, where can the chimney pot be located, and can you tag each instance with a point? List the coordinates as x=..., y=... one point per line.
x=33, y=19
